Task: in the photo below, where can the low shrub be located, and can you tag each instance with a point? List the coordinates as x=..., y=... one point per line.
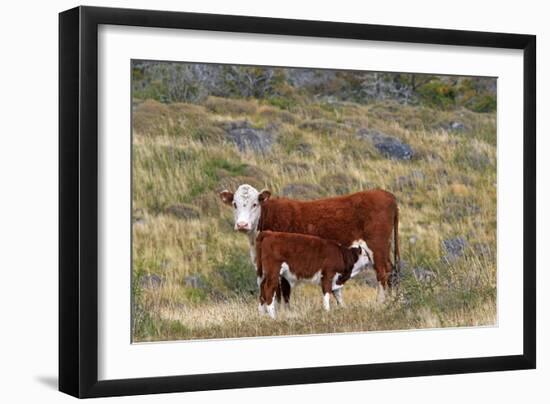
x=236, y=274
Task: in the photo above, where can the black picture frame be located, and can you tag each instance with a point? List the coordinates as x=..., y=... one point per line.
x=78, y=201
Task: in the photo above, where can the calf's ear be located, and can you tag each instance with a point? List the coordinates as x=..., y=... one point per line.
x=264, y=195
x=226, y=197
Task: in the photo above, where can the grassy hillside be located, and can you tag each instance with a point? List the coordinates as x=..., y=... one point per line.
x=192, y=277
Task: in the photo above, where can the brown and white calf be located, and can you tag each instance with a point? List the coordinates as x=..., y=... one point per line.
x=364, y=217
x=304, y=258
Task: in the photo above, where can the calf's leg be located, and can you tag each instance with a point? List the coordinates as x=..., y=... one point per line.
x=285, y=291
x=338, y=296
x=270, y=286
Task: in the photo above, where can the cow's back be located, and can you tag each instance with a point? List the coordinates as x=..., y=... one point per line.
x=362, y=215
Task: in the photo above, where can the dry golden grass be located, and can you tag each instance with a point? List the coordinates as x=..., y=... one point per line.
x=239, y=317
x=181, y=157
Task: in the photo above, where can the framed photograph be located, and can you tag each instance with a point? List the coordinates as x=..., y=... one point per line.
x=251, y=201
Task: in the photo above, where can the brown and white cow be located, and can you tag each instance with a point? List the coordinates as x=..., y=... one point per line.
x=304, y=258
x=363, y=217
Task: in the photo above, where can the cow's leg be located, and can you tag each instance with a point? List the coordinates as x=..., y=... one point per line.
x=393, y=281
x=261, y=304
x=380, y=293
x=326, y=286
x=382, y=274
x=259, y=279
x=252, y=251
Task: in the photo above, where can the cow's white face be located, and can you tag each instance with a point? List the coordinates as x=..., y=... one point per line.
x=247, y=206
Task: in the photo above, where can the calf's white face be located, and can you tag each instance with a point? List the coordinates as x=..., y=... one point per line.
x=365, y=258
x=246, y=203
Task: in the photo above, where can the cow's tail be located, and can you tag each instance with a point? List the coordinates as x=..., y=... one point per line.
x=396, y=255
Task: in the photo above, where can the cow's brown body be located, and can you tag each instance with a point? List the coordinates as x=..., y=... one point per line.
x=369, y=215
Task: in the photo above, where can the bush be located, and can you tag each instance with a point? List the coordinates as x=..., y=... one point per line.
x=282, y=102
x=236, y=274
x=286, y=88
x=438, y=94
x=196, y=295
x=167, y=82
x=485, y=103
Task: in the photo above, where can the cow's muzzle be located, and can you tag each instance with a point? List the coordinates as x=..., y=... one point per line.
x=242, y=227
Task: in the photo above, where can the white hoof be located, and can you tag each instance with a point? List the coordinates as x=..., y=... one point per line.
x=261, y=309
x=271, y=310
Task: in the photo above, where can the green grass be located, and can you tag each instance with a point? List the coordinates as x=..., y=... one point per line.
x=181, y=157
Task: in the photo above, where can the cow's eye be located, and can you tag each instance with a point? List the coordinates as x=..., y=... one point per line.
x=234, y=205
x=254, y=205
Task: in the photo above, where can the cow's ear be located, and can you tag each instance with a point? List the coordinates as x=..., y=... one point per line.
x=226, y=197
x=264, y=195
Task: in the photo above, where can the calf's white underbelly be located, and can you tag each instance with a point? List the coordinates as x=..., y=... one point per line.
x=292, y=279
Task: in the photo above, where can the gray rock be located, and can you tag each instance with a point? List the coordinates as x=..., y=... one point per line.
x=183, y=211
x=248, y=138
x=139, y=220
x=367, y=276
x=196, y=281
x=477, y=160
x=454, y=248
x=393, y=148
x=423, y=274
x=456, y=126
x=389, y=146
x=370, y=278
x=151, y=281
x=302, y=191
